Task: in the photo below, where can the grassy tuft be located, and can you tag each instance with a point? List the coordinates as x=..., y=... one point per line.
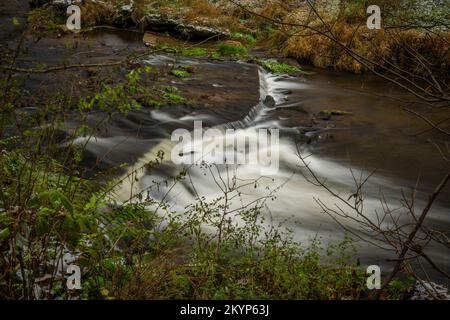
x=246, y=38
x=180, y=73
x=275, y=66
x=193, y=52
x=233, y=50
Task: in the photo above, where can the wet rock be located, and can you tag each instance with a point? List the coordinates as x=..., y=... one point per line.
x=430, y=291
x=326, y=114
x=63, y=4
x=161, y=23
x=269, y=102
x=336, y=112
x=128, y=8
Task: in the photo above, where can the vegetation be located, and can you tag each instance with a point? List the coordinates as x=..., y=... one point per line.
x=248, y=39
x=44, y=22
x=275, y=66
x=180, y=73
x=314, y=46
x=193, y=52
x=233, y=50
x=51, y=209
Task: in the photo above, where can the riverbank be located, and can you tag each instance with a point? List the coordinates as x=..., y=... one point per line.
x=321, y=35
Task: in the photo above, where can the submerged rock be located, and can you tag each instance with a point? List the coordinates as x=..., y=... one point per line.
x=326, y=114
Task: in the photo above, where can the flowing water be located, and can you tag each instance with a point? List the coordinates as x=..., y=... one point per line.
x=377, y=136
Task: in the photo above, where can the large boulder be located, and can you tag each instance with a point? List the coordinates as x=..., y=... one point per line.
x=179, y=29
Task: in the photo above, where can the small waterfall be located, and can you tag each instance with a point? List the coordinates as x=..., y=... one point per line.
x=256, y=112
x=130, y=188
x=250, y=119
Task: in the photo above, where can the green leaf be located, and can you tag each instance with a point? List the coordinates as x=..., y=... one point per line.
x=4, y=234
x=56, y=195
x=15, y=22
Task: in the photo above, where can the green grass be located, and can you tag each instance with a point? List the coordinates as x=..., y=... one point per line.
x=275, y=66
x=174, y=98
x=216, y=56
x=15, y=22
x=232, y=50
x=247, y=38
x=170, y=95
x=193, y=52
x=153, y=103
x=179, y=73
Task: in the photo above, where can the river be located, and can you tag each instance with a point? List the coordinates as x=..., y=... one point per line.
x=377, y=135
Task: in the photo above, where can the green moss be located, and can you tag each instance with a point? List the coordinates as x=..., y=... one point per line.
x=170, y=89
x=270, y=31
x=174, y=98
x=216, y=56
x=153, y=103
x=179, y=73
x=170, y=95
x=193, y=52
x=233, y=50
x=275, y=66
x=15, y=22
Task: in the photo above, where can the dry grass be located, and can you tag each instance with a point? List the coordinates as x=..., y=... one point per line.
x=99, y=13
x=204, y=13
x=380, y=46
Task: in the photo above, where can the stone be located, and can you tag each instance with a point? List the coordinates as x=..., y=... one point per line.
x=161, y=23
x=269, y=102
x=430, y=291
